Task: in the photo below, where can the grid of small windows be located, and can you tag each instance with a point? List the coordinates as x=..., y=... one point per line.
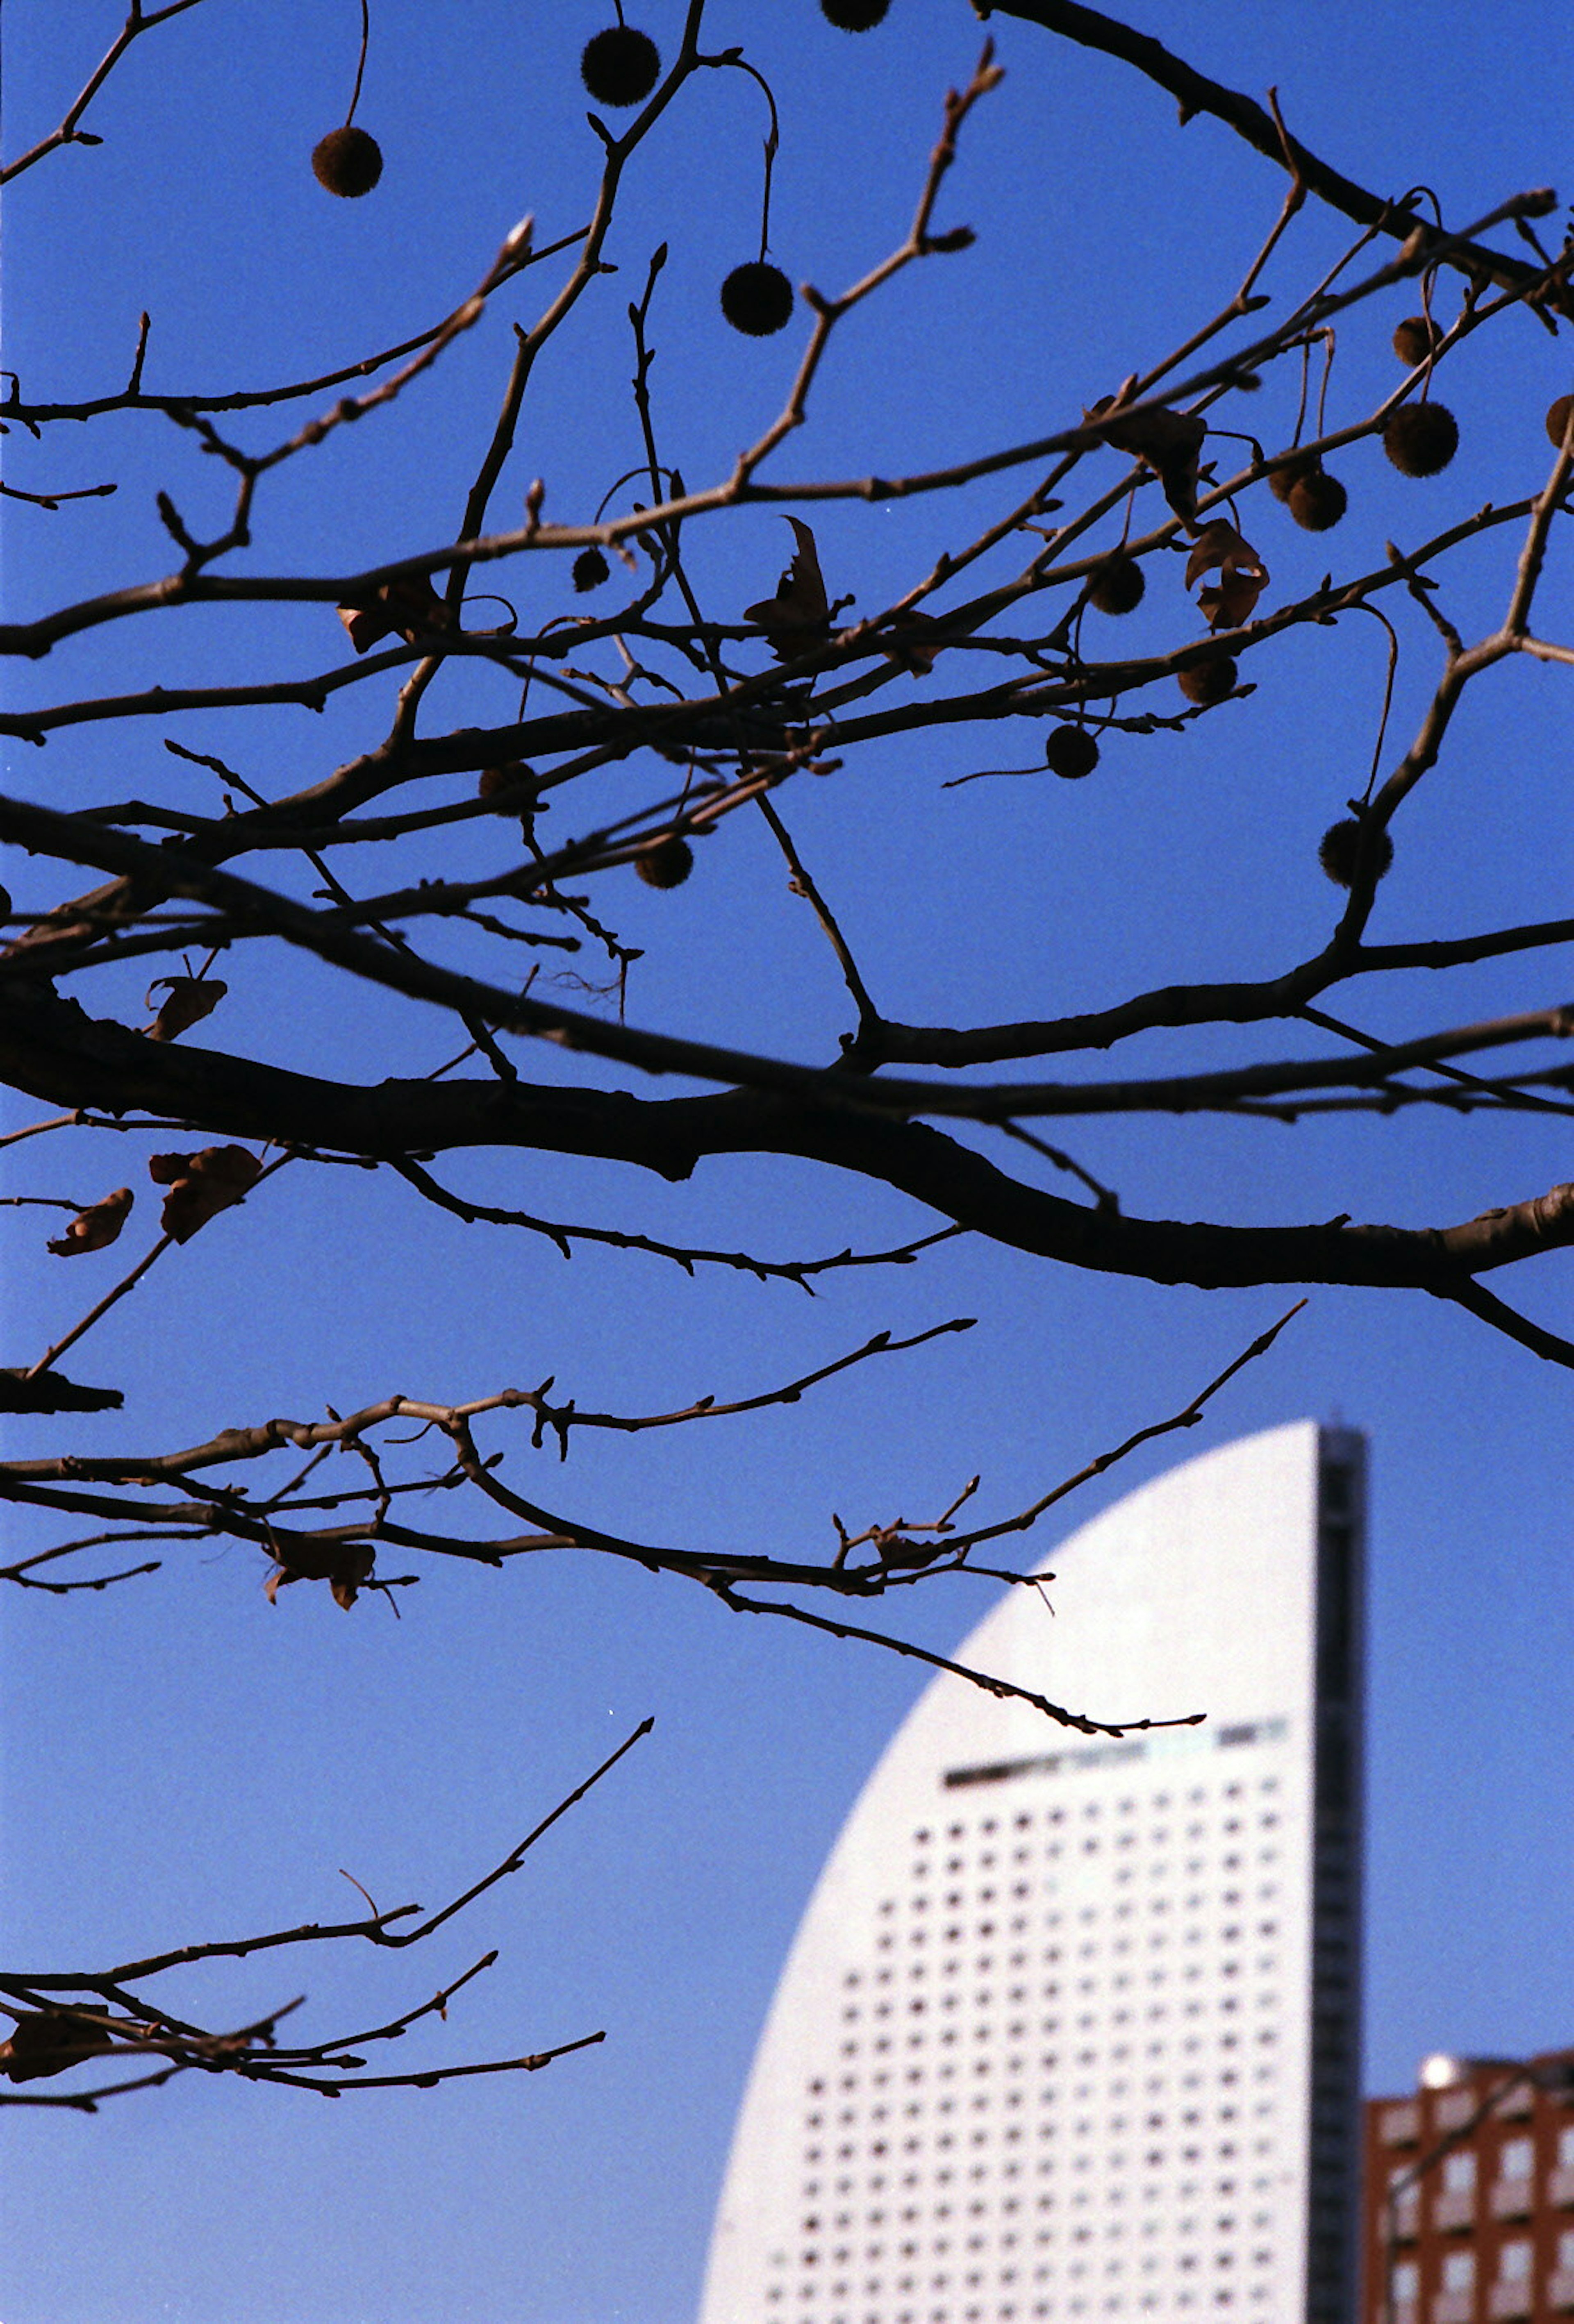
x=1055, y=2087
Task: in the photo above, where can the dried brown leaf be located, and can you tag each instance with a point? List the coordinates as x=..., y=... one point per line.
x=189, y=1000
x=799, y=616
x=1232, y=600
x=1170, y=442
x=345, y=1566
x=1218, y=543
x=897, y=1552
x=1242, y=575
x=97, y=1227
x=44, y=2044
x=201, y=1185
x=408, y=608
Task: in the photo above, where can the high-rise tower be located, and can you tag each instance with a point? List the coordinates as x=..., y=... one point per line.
x=1070, y=2027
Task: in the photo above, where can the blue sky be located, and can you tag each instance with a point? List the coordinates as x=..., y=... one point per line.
x=184, y=1761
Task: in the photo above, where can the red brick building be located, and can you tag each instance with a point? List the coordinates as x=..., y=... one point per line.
x=1468, y=2207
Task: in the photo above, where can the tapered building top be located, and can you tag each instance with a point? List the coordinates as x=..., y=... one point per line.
x=1070, y=2027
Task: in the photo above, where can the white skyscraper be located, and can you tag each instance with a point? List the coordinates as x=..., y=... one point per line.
x=1070, y=2027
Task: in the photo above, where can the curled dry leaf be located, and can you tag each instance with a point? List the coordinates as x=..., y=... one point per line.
x=1229, y=601
x=201, y=1185
x=898, y=1553
x=345, y=1566
x=1242, y=575
x=43, y=2043
x=1170, y=442
x=408, y=608
x=97, y=1227
x=799, y=616
x=189, y=1000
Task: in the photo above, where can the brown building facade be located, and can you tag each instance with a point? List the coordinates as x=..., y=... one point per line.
x=1469, y=2208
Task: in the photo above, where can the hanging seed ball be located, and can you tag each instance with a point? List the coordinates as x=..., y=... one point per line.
x=1415, y=339
x=347, y=162
x=1318, y=502
x=1340, y=846
x=854, y=15
x=1557, y=419
x=758, y=299
x=1118, y=586
x=1070, y=753
x=1286, y=473
x=590, y=569
x=1208, y=681
x=665, y=862
x=1421, y=438
x=620, y=66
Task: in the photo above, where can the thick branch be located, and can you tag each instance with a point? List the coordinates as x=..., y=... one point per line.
x=55, y=1051
x=1196, y=93
x=401, y=971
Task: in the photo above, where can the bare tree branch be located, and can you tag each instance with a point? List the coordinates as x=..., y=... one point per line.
x=455, y=851
x=52, y=2033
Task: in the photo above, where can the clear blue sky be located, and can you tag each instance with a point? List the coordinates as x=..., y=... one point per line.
x=184, y=1762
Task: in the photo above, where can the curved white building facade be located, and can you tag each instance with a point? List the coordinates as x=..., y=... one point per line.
x=1070, y=2027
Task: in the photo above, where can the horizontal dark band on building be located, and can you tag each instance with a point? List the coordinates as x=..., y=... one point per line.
x=1102, y=1754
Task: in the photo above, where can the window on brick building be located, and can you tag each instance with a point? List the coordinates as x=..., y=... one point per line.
x=1513, y=2260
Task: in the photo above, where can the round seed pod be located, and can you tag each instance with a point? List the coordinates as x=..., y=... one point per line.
x=854, y=15
x=1339, y=851
x=1118, y=586
x=1557, y=419
x=620, y=66
x=1317, y=501
x=589, y=569
x=1421, y=438
x=1286, y=473
x=1415, y=339
x=1070, y=753
x=1208, y=681
x=347, y=162
x=665, y=862
x=758, y=299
